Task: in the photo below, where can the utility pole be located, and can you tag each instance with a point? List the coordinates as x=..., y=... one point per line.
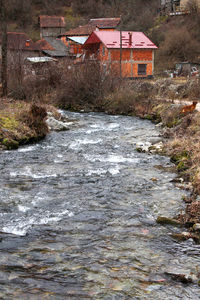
x=120, y=66
x=3, y=48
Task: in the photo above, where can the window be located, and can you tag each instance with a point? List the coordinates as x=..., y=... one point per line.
x=103, y=51
x=142, y=69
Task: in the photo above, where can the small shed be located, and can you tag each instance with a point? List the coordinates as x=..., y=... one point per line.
x=20, y=46
x=51, y=26
x=108, y=24
x=132, y=55
x=187, y=68
x=76, y=37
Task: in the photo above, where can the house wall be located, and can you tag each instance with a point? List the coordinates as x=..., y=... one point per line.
x=48, y=31
x=168, y=6
x=20, y=56
x=131, y=59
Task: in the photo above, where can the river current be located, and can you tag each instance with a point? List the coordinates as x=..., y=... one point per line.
x=78, y=216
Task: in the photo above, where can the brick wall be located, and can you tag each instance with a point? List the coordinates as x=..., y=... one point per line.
x=130, y=61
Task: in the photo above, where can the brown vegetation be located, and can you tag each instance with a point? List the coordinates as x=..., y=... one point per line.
x=21, y=123
x=177, y=38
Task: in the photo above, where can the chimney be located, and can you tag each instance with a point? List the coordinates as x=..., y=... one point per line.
x=27, y=43
x=130, y=38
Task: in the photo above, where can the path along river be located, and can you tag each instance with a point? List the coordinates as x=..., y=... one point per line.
x=77, y=217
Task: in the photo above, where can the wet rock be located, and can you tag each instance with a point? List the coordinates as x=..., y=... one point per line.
x=56, y=125
x=167, y=221
x=186, y=186
x=183, y=278
x=156, y=148
x=177, y=180
x=154, y=179
x=143, y=146
x=181, y=236
x=184, y=236
x=149, y=147
x=196, y=227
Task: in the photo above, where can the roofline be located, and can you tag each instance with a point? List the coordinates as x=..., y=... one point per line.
x=105, y=19
x=149, y=48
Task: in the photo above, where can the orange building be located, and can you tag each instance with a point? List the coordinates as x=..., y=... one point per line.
x=75, y=38
x=131, y=56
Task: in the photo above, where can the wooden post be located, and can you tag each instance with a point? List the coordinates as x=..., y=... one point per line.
x=120, y=52
x=3, y=48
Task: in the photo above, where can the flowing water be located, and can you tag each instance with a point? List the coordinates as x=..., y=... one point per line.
x=78, y=215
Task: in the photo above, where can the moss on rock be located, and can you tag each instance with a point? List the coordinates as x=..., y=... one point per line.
x=167, y=221
x=10, y=144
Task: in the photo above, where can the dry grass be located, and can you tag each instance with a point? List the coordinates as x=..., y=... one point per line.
x=21, y=122
x=184, y=146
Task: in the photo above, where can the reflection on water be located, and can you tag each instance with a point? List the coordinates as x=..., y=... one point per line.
x=78, y=217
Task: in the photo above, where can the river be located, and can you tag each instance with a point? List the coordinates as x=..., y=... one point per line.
x=77, y=216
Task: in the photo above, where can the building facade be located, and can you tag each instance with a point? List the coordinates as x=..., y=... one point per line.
x=132, y=57
x=51, y=26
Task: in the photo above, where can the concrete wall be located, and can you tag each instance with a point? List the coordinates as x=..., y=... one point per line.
x=51, y=32
x=15, y=56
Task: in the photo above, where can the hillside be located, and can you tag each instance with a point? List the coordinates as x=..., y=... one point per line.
x=178, y=37
x=136, y=15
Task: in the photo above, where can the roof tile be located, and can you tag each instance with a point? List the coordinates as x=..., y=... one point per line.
x=52, y=21
x=91, y=26
x=111, y=39
x=20, y=41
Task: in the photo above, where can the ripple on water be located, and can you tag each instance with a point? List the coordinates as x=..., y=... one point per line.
x=84, y=205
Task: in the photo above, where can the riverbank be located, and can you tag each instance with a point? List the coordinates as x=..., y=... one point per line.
x=22, y=123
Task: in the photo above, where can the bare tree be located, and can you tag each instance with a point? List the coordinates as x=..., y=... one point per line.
x=3, y=47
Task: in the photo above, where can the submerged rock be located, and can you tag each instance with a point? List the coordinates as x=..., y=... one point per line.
x=183, y=278
x=167, y=221
x=184, y=236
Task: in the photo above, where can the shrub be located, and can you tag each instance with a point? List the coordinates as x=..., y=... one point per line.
x=34, y=118
x=84, y=86
x=130, y=98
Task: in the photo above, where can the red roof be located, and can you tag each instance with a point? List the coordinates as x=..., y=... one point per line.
x=81, y=30
x=44, y=45
x=20, y=41
x=52, y=21
x=111, y=39
x=103, y=23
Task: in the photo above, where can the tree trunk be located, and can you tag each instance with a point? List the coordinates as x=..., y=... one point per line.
x=3, y=47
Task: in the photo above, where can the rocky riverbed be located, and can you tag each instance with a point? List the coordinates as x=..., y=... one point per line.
x=79, y=211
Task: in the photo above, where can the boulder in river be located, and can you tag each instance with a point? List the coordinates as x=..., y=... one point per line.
x=56, y=125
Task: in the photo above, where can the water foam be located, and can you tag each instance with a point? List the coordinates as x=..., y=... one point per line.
x=27, y=149
x=28, y=173
x=21, y=225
